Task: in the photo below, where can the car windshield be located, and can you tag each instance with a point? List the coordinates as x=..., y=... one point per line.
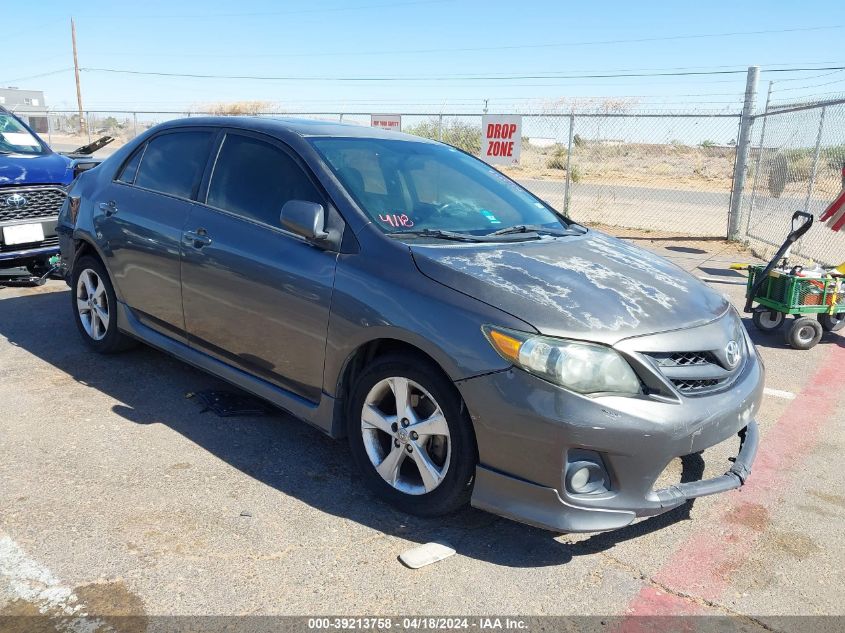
x=408, y=186
x=15, y=138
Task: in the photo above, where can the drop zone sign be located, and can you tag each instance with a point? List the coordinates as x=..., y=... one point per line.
x=501, y=138
x=392, y=122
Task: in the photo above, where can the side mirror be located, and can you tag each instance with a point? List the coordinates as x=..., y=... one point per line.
x=306, y=219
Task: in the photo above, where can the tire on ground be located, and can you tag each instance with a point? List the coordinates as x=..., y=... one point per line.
x=455, y=489
x=804, y=333
x=113, y=341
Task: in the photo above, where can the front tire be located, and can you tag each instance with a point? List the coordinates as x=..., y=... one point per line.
x=95, y=307
x=805, y=333
x=410, y=436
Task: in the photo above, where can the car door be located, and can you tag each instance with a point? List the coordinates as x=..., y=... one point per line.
x=144, y=211
x=254, y=295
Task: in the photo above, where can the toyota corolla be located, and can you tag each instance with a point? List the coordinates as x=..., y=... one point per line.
x=471, y=343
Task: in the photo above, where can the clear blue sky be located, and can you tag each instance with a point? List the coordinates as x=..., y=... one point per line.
x=372, y=38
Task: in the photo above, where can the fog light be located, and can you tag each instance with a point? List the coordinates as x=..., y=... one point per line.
x=585, y=477
x=579, y=478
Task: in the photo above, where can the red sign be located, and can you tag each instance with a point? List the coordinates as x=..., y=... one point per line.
x=501, y=138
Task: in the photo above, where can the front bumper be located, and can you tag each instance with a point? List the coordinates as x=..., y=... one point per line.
x=12, y=254
x=527, y=430
x=42, y=252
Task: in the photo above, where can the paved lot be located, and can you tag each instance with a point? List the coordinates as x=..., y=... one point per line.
x=119, y=495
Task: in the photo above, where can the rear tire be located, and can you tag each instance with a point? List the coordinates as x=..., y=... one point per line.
x=94, y=307
x=419, y=456
x=767, y=320
x=832, y=322
x=804, y=333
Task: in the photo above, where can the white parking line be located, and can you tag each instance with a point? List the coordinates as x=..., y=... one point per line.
x=777, y=393
x=22, y=578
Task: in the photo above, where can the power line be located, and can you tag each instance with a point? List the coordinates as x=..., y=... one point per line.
x=47, y=74
x=443, y=78
x=827, y=83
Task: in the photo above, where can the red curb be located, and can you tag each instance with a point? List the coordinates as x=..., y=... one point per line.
x=703, y=564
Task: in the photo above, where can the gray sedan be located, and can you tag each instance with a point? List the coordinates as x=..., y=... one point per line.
x=471, y=343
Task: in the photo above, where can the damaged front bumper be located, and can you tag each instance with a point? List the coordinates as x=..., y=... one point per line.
x=532, y=434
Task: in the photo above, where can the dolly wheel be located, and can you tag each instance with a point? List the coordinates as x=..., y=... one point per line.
x=767, y=320
x=804, y=333
x=832, y=322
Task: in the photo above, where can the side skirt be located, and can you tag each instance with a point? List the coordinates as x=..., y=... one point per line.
x=325, y=415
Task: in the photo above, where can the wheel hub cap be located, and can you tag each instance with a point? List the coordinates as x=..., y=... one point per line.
x=406, y=436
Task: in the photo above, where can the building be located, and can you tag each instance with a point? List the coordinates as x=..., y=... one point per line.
x=27, y=104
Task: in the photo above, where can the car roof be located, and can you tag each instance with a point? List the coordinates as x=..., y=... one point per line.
x=301, y=127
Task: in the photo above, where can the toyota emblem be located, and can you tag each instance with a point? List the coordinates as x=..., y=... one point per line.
x=732, y=354
x=16, y=201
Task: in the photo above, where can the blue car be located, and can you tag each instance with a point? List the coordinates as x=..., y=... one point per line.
x=33, y=184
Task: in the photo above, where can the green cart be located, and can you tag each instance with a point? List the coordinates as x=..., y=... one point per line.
x=818, y=303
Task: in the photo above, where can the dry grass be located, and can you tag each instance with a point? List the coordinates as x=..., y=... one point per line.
x=673, y=166
x=237, y=107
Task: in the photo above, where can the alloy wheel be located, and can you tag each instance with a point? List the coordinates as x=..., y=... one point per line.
x=406, y=436
x=92, y=304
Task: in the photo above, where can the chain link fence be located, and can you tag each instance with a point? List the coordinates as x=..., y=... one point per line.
x=669, y=173
x=795, y=163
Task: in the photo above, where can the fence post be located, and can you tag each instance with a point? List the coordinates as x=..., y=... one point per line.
x=135, y=123
x=568, y=165
x=759, y=159
x=49, y=129
x=88, y=125
x=815, y=166
x=440, y=127
x=742, y=151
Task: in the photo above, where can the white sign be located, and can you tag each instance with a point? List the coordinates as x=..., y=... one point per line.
x=501, y=138
x=392, y=122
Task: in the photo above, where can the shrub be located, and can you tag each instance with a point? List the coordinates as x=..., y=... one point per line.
x=556, y=162
x=458, y=133
x=238, y=107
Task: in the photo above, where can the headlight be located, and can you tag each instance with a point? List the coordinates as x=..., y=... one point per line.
x=581, y=367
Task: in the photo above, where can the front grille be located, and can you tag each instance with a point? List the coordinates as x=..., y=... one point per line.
x=40, y=202
x=53, y=240
x=683, y=359
x=694, y=373
x=696, y=386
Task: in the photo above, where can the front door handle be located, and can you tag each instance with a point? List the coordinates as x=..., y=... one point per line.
x=196, y=239
x=109, y=208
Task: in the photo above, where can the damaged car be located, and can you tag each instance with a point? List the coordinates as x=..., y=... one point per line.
x=471, y=343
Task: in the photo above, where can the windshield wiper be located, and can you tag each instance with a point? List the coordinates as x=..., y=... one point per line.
x=439, y=234
x=536, y=228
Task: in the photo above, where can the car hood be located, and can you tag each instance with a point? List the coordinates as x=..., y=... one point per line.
x=591, y=287
x=22, y=169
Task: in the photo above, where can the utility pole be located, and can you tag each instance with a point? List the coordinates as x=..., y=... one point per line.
x=742, y=151
x=82, y=122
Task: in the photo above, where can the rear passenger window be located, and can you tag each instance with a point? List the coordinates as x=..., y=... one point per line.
x=173, y=163
x=127, y=174
x=254, y=179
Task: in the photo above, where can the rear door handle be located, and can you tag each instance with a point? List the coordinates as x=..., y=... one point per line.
x=109, y=208
x=196, y=239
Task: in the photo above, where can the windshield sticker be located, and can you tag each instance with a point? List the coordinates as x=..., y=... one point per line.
x=492, y=219
x=20, y=138
x=396, y=220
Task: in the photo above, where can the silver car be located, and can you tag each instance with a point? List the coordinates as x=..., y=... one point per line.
x=471, y=343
